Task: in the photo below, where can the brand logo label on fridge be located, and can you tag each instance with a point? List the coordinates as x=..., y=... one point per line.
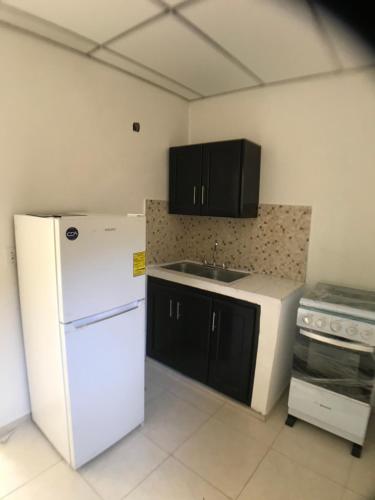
x=72, y=233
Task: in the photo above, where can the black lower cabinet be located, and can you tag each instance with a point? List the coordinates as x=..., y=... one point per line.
x=206, y=336
x=178, y=320
x=161, y=322
x=233, y=348
x=193, y=313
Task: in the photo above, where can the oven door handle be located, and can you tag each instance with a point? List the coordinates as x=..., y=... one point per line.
x=337, y=343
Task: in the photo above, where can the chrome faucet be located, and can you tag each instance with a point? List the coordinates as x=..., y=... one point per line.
x=214, y=253
x=213, y=263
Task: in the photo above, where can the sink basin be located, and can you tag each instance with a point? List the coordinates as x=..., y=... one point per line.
x=214, y=273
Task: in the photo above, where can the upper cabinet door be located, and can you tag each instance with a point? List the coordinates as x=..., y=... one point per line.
x=221, y=179
x=217, y=178
x=185, y=173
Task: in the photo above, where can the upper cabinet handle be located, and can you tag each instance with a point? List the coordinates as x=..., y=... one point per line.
x=195, y=195
x=203, y=194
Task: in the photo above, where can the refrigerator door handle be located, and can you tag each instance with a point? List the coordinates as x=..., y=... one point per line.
x=97, y=318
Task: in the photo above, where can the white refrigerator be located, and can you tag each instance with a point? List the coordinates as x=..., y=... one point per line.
x=82, y=293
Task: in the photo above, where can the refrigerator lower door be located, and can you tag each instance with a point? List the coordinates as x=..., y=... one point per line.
x=104, y=363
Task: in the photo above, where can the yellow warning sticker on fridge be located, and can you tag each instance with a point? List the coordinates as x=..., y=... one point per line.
x=139, y=263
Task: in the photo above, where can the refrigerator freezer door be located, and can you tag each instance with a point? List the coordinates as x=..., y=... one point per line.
x=95, y=263
x=105, y=381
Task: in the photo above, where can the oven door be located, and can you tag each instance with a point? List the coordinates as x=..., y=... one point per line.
x=336, y=364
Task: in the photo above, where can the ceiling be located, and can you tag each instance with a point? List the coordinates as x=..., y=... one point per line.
x=196, y=48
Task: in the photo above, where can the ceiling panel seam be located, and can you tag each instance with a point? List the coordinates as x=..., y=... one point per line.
x=183, y=3
x=41, y=37
x=296, y=79
x=61, y=45
x=216, y=45
x=175, y=11
x=26, y=15
x=157, y=73
x=150, y=82
x=137, y=27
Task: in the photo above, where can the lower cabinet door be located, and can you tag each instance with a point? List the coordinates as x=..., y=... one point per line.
x=161, y=324
x=207, y=338
x=233, y=348
x=191, y=342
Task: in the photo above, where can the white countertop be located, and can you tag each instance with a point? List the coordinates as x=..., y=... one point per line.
x=248, y=288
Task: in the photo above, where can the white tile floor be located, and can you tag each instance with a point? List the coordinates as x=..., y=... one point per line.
x=194, y=445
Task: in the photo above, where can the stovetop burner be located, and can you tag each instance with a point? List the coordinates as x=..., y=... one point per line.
x=351, y=297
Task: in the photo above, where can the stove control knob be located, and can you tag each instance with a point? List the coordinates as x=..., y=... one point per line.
x=307, y=319
x=335, y=326
x=366, y=334
x=320, y=322
x=352, y=331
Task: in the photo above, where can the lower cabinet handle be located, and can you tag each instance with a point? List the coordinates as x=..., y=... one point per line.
x=195, y=195
x=203, y=193
x=170, y=308
x=213, y=321
x=178, y=311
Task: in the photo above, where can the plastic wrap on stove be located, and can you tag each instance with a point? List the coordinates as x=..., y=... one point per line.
x=340, y=370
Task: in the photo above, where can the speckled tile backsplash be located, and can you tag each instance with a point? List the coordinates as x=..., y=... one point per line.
x=276, y=242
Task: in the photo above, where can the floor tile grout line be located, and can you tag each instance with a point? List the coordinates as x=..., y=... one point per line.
x=254, y=472
x=146, y=477
x=213, y=417
x=277, y=435
x=193, y=404
x=201, y=477
x=270, y=446
x=247, y=434
x=190, y=403
x=209, y=416
x=184, y=441
x=156, y=444
x=188, y=382
x=32, y=479
x=316, y=472
x=349, y=473
x=220, y=401
x=167, y=453
x=304, y=466
x=89, y=484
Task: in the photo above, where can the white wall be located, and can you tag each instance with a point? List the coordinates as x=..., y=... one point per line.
x=318, y=139
x=66, y=143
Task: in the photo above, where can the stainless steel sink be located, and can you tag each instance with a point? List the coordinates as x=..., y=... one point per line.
x=214, y=273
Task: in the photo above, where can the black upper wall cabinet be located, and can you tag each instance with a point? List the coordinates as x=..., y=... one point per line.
x=218, y=178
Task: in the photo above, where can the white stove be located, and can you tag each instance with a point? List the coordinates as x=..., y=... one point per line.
x=352, y=328
x=334, y=361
